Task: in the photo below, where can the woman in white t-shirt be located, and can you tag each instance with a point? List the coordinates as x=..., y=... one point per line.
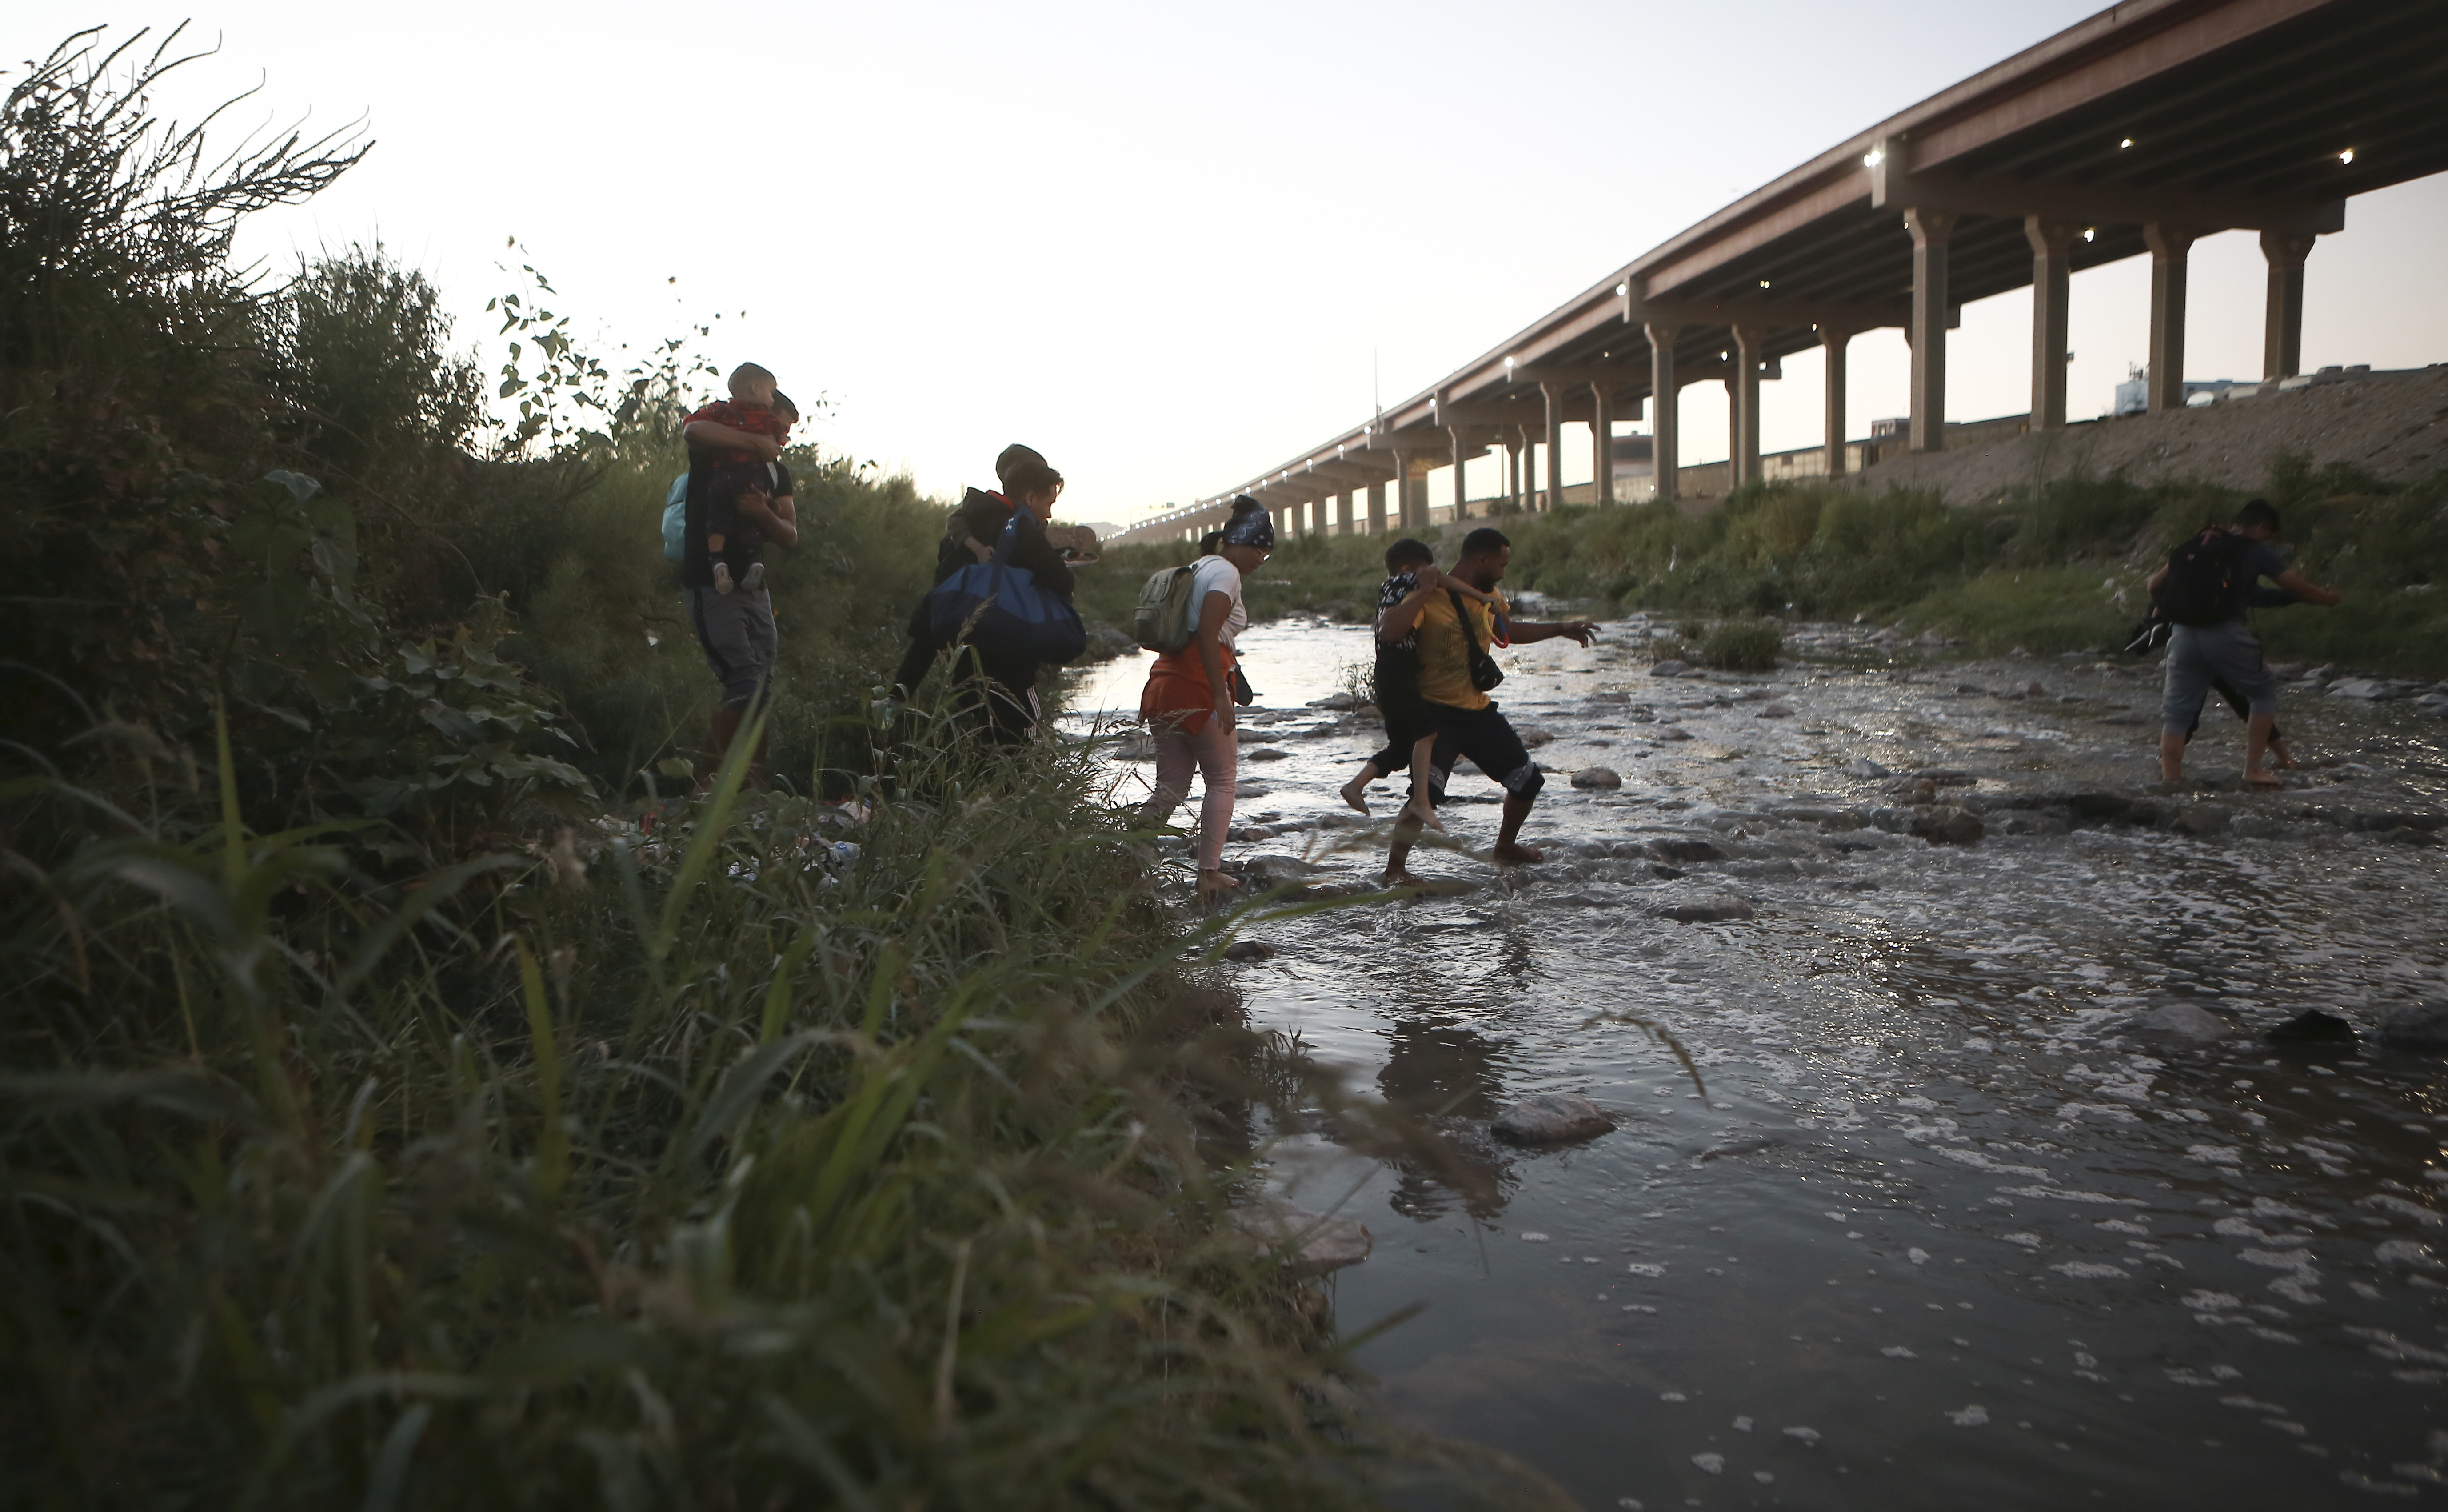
x=1188, y=701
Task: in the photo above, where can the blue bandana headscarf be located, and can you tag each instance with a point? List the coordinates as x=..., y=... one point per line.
x=1250, y=525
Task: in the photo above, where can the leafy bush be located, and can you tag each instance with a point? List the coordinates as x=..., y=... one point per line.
x=1750, y=646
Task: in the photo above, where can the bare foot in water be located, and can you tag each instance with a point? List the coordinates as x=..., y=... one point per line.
x=2262, y=779
x=1509, y=854
x=1425, y=815
x=1214, y=887
x=1402, y=878
x=1357, y=792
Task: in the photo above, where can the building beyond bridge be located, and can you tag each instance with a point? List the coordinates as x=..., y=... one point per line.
x=2131, y=134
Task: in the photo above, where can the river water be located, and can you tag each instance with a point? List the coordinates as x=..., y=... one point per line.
x=1947, y=1228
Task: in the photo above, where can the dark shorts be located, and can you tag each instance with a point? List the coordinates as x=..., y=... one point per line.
x=1407, y=715
x=1487, y=737
x=735, y=632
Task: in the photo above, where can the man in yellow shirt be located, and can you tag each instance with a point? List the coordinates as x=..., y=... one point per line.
x=1467, y=722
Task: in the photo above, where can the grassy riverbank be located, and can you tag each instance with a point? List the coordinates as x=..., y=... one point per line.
x=2056, y=570
x=387, y=1120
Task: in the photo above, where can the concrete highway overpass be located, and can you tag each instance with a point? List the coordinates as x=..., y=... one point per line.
x=2130, y=134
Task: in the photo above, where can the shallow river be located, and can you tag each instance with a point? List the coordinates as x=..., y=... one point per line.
x=1947, y=1229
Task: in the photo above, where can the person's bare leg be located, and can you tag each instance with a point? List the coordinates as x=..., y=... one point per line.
x=1406, y=829
x=1423, y=807
x=2279, y=755
x=1357, y=791
x=1509, y=851
x=2256, y=746
x=2172, y=755
x=719, y=736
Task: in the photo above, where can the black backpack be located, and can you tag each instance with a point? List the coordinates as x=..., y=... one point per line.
x=2200, y=587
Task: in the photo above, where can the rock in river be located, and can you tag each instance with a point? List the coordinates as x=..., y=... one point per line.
x=1551, y=1118
x=1248, y=950
x=2313, y=1026
x=1709, y=908
x=1597, y=777
x=2416, y=1026
x=1670, y=669
x=1312, y=1242
x=1945, y=824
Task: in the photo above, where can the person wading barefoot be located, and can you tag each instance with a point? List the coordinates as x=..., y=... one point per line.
x=2205, y=589
x=1466, y=721
x=1188, y=701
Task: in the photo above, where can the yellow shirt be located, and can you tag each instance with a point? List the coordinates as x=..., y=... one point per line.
x=1444, y=658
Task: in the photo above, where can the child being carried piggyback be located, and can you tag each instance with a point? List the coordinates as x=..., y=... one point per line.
x=1410, y=728
x=733, y=542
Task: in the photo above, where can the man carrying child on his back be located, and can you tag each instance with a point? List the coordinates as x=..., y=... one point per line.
x=739, y=499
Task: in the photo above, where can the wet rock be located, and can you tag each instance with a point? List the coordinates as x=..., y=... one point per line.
x=1307, y=1240
x=2154, y=813
x=1685, y=849
x=1533, y=737
x=2366, y=688
x=1776, y=711
x=1825, y=819
x=1667, y=873
x=2200, y=820
x=1945, y=824
x=1272, y=871
x=2312, y=1026
x=2036, y=691
x=1248, y=950
x=2383, y=822
x=1865, y=767
x=1265, y=753
x=1604, y=777
x=1716, y=908
x=1553, y=1118
x=1947, y=776
x=1915, y=789
x=1670, y=669
x=1339, y=702
x=2099, y=805
x=2181, y=1021
x=1672, y=731
x=2416, y=1026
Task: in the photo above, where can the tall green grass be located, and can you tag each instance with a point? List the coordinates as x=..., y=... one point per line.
x=682, y=1169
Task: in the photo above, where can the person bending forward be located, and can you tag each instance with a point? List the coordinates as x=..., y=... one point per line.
x=1466, y=721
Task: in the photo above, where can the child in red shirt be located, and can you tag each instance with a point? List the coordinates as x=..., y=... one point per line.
x=757, y=409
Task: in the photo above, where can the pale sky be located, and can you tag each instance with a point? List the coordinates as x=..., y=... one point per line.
x=1168, y=246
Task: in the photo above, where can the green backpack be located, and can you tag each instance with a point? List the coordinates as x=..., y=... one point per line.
x=1165, y=617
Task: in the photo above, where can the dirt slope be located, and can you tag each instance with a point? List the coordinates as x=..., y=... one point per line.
x=2394, y=424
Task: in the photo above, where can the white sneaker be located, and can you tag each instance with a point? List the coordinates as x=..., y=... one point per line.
x=722, y=577
x=754, y=578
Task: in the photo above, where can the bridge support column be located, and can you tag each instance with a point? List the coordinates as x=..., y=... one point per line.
x=1461, y=488
x=1665, y=434
x=1833, y=339
x=1930, y=230
x=1554, y=392
x=1343, y=512
x=2052, y=266
x=1377, y=502
x=2281, y=343
x=1751, y=350
x=1602, y=444
x=2170, y=248
x=1525, y=470
x=1317, y=516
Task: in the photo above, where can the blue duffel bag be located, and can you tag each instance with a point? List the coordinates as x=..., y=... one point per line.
x=998, y=607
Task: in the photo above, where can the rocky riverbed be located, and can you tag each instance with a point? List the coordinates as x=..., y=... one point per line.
x=2014, y=1174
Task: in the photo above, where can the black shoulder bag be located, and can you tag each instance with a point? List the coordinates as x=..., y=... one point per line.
x=1485, y=673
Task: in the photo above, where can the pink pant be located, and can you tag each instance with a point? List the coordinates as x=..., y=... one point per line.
x=1216, y=753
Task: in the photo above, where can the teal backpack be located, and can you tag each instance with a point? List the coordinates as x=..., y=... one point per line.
x=675, y=520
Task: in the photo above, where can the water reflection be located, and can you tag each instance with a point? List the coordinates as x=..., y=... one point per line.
x=1448, y=1076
